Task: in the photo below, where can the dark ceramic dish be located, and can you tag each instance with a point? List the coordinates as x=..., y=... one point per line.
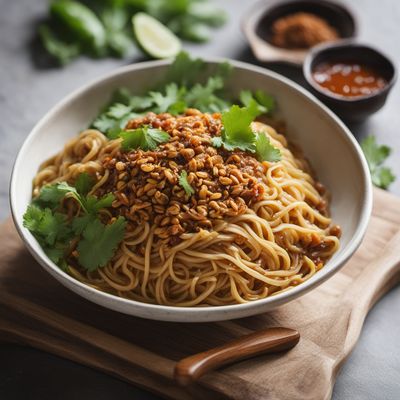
x=257, y=25
x=336, y=15
x=351, y=108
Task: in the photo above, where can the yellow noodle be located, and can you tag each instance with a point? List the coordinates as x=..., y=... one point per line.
x=244, y=258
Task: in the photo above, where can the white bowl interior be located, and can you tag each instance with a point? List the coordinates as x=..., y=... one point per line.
x=333, y=152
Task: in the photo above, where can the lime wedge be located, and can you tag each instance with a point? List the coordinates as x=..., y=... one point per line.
x=154, y=37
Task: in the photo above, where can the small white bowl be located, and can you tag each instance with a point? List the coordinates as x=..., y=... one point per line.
x=327, y=143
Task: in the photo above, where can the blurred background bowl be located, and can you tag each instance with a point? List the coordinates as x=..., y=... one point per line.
x=258, y=22
x=352, y=109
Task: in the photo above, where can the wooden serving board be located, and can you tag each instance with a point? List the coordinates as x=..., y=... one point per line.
x=37, y=311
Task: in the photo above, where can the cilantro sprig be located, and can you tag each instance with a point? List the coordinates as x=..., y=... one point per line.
x=179, y=92
x=238, y=134
x=144, y=137
x=97, y=241
x=183, y=181
x=376, y=155
x=189, y=83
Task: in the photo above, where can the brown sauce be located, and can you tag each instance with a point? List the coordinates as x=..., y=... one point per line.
x=348, y=79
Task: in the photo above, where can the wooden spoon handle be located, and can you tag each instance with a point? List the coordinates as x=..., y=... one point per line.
x=269, y=340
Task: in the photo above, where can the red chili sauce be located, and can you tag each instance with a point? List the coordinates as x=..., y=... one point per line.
x=348, y=79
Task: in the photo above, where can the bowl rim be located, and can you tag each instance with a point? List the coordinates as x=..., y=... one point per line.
x=294, y=56
x=202, y=313
x=346, y=43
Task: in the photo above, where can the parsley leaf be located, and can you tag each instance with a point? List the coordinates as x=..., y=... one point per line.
x=185, y=184
x=376, y=155
x=145, y=138
x=265, y=151
x=99, y=243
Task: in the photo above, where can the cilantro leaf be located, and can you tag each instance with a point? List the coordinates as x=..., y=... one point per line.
x=265, y=100
x=121, y=95
x=118, y=110
x=265, y=151
x=246, y=97
x=238, y=134
x=32, y=217
x=376, y=155
x=50, y=229
x=184, y=70
x=164, y=102
x=140, y=103
x=105, y=123
x=55, y=254
x=383, y=177
x=84, y=183
x=94, y=205
x=145, y=138
x=203, y=97
x=185, y=184
x=52, y=226
x=54, y=231
x=80, y=223
x=237, y=130
x=51, y=195
x=99, y=243
x=217, y=141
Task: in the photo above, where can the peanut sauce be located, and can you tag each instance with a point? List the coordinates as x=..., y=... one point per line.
x=348, y=79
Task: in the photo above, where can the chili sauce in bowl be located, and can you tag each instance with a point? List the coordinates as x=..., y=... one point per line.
x=351, y=78
x=348, y=79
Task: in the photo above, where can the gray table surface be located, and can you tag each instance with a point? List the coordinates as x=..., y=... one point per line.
x=29, y=87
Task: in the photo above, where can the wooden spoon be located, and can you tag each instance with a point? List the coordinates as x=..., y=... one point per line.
x=271, y=340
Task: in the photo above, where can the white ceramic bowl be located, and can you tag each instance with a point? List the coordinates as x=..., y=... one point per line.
x=328, y=144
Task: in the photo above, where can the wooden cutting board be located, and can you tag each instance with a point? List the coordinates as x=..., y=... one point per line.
x=37, y=311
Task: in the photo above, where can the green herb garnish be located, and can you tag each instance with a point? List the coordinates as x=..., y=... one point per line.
x=144, y=138
x=238, y=134
x=55, y=232
x=99, y=242
x=185, y=184
x=265, y=151
x=376, y=155
x=178, y=93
